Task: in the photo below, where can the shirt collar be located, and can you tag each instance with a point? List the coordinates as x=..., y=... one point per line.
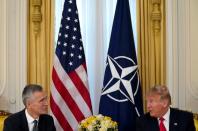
x=166, y=116
x=30, y=119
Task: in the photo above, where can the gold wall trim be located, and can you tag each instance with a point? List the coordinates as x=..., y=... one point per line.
x=36, y=15
x=156, y=15
x=40, y=42
x=151, y=43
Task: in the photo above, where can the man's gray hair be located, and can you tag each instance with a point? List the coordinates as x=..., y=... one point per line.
x=29, y=90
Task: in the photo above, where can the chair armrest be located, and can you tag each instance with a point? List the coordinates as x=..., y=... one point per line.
x=3, y=116
x=196, y=121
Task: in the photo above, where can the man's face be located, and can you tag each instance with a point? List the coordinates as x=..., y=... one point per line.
x=156, y=106
x=38, y=103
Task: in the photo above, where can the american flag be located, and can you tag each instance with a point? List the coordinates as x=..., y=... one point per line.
x=69, y=98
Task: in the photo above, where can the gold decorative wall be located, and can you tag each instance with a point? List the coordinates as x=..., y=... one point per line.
x=151, y=43
x=40, y=42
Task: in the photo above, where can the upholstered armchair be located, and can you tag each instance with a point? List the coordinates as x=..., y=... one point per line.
x=196, y=121
x=3, y=115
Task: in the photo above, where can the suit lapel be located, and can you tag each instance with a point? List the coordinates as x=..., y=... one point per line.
x=153, y=124
x=41, y=123
x=24, y=121
x=173, y=123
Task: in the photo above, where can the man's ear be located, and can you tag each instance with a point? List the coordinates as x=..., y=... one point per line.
x=28, y=103
x=165, y=103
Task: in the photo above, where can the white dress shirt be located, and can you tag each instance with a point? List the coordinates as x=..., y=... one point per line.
x=166, y=120
x=30, y=120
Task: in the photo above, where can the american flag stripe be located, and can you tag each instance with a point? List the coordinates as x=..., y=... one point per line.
x=64, y=108
x=60, y=117
x=85, y=67
x=82, y=73
x=81, y=87
x=67, y=97
x=65, y=79
x=58, y=126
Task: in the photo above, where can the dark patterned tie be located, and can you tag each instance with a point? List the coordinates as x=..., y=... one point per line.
x=161, y=124
x=35, y=127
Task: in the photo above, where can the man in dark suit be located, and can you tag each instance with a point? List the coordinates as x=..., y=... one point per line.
x=34, y=117
x=160, y=116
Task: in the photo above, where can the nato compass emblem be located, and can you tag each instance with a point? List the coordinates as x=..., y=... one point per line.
x=122, y=84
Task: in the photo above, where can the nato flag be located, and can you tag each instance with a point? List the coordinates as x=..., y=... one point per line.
x=121, y=97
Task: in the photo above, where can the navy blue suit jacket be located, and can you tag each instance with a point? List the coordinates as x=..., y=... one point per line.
x=18, y=122
x=179, y=121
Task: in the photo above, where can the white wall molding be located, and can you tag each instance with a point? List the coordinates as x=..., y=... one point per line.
x=172, y=50
x=3, y=69
x=13, y=62
x=182, y=51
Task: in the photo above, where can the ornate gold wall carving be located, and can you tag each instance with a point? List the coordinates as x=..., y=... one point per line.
x=156, y=15
x=151, y=43
x=40, y=42
x=36, y=15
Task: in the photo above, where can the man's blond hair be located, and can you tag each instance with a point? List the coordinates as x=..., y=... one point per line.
x=161, y=90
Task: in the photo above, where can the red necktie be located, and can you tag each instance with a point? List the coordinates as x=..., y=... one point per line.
x=161, y=124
